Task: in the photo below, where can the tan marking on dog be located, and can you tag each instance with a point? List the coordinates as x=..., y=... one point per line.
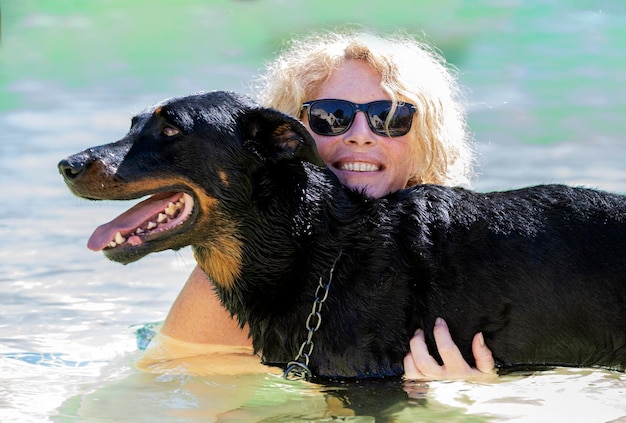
x=158, y=110
x=207, y=204
x=223, y=177
x=220, y=257
x=98, y=183
x=222, y=262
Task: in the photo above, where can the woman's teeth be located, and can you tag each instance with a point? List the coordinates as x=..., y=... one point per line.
x=359, y=167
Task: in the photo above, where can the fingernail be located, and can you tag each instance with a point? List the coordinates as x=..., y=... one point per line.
x=481, y=339
x=418, y=332
x=439, y=321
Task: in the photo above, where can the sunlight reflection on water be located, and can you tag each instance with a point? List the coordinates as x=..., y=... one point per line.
x=547, y=104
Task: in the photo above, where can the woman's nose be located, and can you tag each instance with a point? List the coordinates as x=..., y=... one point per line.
x=360, y=132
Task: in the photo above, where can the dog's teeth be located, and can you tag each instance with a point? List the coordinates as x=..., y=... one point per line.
x=171, y=209
x=119, y=239
x=167, y=214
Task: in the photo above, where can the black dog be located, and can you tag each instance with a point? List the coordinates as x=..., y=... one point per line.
x=540, y=271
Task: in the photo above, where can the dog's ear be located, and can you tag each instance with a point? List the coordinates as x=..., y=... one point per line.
x=272, y=134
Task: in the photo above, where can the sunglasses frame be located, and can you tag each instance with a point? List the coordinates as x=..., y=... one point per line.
x=363, y=107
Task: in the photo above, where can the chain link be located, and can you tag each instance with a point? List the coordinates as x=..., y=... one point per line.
x=298, y=369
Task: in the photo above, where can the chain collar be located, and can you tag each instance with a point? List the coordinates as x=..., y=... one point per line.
x=298, y=368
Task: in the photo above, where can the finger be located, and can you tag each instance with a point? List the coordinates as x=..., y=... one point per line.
x=451, y=356
x=482, y=354
x=410, y=369
x=422, y=359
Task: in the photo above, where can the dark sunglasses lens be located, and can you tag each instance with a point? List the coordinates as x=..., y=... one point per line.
x=330, y=117
x=400, y=121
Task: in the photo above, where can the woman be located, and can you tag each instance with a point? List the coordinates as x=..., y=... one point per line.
x=327, y=80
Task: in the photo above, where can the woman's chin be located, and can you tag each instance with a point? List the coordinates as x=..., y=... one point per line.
x=373, y=184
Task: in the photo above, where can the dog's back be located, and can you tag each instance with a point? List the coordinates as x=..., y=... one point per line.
x=539, y=271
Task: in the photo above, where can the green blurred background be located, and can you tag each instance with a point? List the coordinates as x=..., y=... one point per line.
x=537, y=71
x=144, y=45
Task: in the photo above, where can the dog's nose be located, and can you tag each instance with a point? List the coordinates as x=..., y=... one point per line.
x=72, y=167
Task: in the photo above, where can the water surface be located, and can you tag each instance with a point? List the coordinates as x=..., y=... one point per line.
x=547, y=92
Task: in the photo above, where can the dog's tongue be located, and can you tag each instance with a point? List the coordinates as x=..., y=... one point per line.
x=131, y=219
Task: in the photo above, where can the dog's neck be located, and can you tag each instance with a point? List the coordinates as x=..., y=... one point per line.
x=292, y=223
x=294, y=216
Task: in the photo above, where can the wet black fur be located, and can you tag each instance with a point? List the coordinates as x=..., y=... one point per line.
x=541, y=271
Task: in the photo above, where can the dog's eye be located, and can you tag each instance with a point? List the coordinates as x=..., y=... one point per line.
x=168, y=131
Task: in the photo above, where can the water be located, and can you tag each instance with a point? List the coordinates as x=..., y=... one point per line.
x=547, y=87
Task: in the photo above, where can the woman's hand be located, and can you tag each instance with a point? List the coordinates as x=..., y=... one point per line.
x=419, y=364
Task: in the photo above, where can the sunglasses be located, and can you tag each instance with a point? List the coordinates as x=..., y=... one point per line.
x=334, y=117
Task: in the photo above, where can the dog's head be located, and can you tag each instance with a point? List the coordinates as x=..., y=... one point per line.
x=190, y=155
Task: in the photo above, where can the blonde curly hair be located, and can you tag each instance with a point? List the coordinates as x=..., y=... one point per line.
x=411, y=71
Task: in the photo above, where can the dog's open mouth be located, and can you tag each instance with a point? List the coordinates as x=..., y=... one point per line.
x=158, y=213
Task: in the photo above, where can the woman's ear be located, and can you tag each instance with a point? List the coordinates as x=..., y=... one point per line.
x=275, y=135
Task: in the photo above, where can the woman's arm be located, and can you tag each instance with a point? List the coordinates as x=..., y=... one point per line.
x=198, y=316
x=419, y=364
